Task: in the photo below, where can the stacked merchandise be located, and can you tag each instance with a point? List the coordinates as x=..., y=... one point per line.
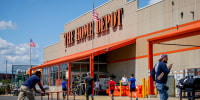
x=179, y=74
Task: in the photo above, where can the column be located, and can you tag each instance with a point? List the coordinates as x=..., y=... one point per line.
x=49, y=76
x=58, y=76
x=69, y=76
x=92, y=66
x=30, y=74
x=92, y=71
x=41, y=76
x=150, y=67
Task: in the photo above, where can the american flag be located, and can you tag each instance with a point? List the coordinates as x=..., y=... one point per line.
x=94, y=15
x=32, y=44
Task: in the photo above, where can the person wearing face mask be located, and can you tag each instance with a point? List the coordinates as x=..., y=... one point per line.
x=160, y=81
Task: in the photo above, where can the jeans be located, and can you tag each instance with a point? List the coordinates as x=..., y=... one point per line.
x=162, y=91
x=64, y=93
x=89, y=92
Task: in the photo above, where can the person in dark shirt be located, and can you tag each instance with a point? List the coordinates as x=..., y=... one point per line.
x=89, y=81
x=132, y=86
x=112, y=87
x=160, y=82
x=64, y=87
x=25, y=89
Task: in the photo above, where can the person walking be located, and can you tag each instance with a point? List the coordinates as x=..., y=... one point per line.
x=64, y=87
x=112, y=87
x=89, y=81
x=132, y=86
x=124, y=80
x=28, y=85
x=97, y=87
x=159, y=74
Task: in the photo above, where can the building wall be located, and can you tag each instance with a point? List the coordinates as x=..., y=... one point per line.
x=137, y=23
x=118, y=67
x=162, y=16
x=53, y=51
x=3, y=76
x=127, y=30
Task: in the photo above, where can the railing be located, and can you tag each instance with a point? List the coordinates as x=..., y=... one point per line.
x=57, y=92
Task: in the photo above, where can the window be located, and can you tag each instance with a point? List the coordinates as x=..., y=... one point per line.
x=45, y=76
x=144, y=3
x=53, y=75
x=129, y=0
x=62, y=71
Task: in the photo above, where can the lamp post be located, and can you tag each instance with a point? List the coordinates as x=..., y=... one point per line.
x=6, y=69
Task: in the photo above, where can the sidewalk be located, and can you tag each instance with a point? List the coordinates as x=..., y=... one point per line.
x=6, y=95
x=115, y=98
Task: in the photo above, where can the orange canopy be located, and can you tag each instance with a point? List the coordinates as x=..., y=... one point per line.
x=187, y=31
x=28, y=71
x=33, y=71
x=86, y=54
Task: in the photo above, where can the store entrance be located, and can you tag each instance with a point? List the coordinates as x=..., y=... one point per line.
x=79, y=71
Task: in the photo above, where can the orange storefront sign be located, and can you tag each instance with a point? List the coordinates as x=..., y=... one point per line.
x=80, y=33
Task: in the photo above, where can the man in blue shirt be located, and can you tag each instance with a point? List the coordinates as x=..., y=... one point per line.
x=25, y=89
x=132, y=86
x=64, y=87
x=160, y=81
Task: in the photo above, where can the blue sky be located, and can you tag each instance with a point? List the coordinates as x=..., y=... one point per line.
x=41, y=20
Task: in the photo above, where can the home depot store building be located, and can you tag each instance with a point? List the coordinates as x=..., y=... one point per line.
x=126, y=40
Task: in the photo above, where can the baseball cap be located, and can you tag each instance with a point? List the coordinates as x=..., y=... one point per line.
x=162, y=56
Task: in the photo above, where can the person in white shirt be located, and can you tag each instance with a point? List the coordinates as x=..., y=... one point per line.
x=97, y=87
x=124, y=80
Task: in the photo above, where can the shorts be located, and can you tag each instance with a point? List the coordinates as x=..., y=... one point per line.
x=132, y=89
x=96, y=88
x=111, y=91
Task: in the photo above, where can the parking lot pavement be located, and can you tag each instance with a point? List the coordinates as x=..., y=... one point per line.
x=5, y=97
x=83, y=98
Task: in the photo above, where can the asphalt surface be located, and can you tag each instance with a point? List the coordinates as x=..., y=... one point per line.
x=15, y=98
x=83, y=98
x=36, y=98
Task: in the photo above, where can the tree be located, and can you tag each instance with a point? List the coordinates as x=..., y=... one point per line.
x=6, y=81
x=8, y=87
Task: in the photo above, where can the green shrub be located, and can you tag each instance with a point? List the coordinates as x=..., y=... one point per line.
x=8, y=87
x=2, y=90
x=6, y=81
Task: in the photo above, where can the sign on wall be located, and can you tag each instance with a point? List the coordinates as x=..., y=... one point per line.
x=86, y=31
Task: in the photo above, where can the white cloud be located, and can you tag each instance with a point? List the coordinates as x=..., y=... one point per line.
x=153, y=1
x=17, y=55
x=7, y=25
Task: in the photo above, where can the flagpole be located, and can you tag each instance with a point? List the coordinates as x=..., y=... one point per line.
x=92, y=38
x=30, y=56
